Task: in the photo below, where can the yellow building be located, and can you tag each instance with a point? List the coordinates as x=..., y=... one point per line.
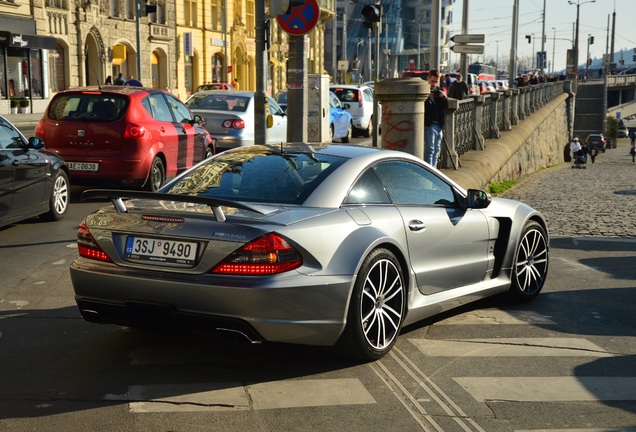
x=54, y=45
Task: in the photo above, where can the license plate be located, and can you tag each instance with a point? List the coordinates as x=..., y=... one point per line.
x=83, y=166
x=160, y=251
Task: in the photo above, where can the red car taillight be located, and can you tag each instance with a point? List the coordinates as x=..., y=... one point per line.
x=87, y=246
x=134, y=131
x=360, y=99
x=233, y=124
x=268, y=254
x=39, y=130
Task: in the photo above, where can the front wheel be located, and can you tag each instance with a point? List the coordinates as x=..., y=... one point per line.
x=60, y=196
x=530, y=267
x=377, y=308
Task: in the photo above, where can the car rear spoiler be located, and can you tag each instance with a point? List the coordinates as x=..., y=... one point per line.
x=117, y=197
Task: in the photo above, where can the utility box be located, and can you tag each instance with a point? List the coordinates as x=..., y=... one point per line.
x=318, y=108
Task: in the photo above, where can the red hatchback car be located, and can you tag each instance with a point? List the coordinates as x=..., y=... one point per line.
x=123, y=136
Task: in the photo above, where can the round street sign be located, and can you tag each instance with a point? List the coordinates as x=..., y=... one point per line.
x=301, y=20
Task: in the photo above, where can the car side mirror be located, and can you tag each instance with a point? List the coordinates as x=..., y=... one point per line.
x=477, y=199
x=199, y=120
x=36, y=143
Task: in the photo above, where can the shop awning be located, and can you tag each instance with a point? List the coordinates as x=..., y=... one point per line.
x=19, y=40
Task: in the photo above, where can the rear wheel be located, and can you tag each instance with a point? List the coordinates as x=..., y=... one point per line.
x=530, y=267
x=347, y=138
x=377, y=308
x=369, y=130
x=59, y=200
x=157, y=175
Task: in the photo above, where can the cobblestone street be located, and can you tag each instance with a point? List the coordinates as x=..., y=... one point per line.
x=599, y=201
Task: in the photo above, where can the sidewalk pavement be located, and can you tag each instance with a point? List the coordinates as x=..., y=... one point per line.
x=24, y=120
x=599, y=201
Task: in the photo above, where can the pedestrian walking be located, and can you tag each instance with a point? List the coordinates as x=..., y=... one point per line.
x=632, y=151
x=575, y=148
x=458, y=89
x=434, y=107
x=120, y=79
x=235, y=84
x=109, y=80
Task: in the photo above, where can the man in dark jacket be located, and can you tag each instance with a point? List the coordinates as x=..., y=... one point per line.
x=434, y=107
x=458, y=89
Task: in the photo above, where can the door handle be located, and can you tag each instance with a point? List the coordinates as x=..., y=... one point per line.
x=416, y=225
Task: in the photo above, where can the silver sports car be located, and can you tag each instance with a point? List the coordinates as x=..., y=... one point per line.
x=322, y=245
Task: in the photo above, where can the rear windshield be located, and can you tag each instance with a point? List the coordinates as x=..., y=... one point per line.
x=94, y=106
x=423, y=75
x=214, y=101
x=347, y=95
x=258, y=174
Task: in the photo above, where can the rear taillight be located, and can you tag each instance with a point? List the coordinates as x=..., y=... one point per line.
x=268, y=254
x=39, y=130
x=233, y=124
x=360, y=99
x=134, y=131
x=87, y=246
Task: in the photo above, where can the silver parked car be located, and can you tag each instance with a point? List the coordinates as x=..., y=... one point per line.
x=229, y=117
x=322, y=245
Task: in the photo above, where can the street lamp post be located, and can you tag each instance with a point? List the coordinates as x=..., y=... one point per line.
x=578, y=4
x=553, y=43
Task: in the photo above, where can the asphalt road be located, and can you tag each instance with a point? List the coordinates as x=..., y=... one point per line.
x=565, y=362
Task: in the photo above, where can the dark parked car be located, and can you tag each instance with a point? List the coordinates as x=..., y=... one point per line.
x=33, y=181
x=125, y=136
x=596, y=141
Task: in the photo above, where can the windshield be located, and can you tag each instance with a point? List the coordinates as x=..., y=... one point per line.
x=221, y=102
x=258, y=174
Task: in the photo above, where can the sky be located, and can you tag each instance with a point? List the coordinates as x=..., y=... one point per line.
x=494, y=20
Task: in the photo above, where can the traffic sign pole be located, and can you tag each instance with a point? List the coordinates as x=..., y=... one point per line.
x=260, y=122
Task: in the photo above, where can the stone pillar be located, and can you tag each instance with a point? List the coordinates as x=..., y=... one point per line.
x=494, y=124
x=402, y=102
x=506, y=94
x=448, y=153
x=478, y=117
x=514, y=120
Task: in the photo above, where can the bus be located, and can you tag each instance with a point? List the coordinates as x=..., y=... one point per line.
x=484, y=72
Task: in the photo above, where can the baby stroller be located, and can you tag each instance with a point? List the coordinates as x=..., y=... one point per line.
x=580, y=159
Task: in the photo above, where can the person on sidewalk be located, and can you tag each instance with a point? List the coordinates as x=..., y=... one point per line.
x=575, y=148
x=458, y=89
x=632, y=151
x=434, y=108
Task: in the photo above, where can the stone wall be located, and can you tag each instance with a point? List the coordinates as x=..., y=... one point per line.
x=535, y=143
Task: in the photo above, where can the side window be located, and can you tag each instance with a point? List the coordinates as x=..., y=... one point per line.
x=408, y=183
x=159, y=108
x=368, y=95
x=9, y=137
x=181, y=112
x=274, y=108
x=367, y=190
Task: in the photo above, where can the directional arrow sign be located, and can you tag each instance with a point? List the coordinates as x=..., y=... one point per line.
x=468, y=38
x=468, y=49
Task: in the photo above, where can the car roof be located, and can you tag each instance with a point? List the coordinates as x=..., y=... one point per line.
x=244, y=93
x=125, y=90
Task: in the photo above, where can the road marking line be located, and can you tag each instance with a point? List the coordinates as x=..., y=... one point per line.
x=510, y=347
x=549, y=389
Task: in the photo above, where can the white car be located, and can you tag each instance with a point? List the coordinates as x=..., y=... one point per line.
x=360, y=101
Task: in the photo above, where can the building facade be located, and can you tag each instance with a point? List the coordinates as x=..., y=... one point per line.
x=52, y=45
